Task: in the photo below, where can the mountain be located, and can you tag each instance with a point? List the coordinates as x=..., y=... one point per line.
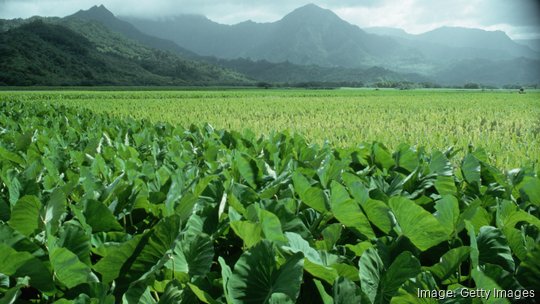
x=107, y=18
x=313, y=36
x=287, y=72
x=532, y=43
x=309, y=35
x=45, y=53
x=489, y=72
x=477, y=39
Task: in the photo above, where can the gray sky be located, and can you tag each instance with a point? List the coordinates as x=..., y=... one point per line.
x=518, y=18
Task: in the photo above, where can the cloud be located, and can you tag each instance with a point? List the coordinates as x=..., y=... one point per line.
x=517, y=17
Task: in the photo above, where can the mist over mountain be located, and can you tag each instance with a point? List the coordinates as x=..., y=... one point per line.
x=308, y=44
x=73, y=51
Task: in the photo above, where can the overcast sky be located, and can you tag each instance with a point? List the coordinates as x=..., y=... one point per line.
x=518, y=18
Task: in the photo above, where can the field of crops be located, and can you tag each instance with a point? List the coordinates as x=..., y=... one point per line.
x=505, y=124
x=98, y=208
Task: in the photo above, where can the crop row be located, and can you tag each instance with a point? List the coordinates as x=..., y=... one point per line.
x=97, y=209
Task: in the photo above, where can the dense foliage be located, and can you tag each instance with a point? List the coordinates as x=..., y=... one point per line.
x=434, y=119
x=94, y=209
x=76, y=52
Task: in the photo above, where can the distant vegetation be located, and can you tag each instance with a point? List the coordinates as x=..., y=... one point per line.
x=433, y=119
x=311, y=47
x=45, y=53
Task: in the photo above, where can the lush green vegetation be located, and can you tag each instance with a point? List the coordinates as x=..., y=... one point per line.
x=98, y=209
x=505, y=124
x=78, y=52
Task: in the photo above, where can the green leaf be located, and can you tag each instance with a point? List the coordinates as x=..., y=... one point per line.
x=193, y=255
x=325, y=297
x=55, y=208
x=447, y=212
x=249, y=232
x=256, y=276
x=346, y=292
x=470, y=169
x=370, y=271
x=68, y=269
x=8, y=155
x=418, y=225
x=226, y=274
x=445, y=185
x=25, y=215
x=450, y=262
x=74, y=238
x=404, y=267
x=110, y=265
x=100, y=217
x=348, y=212
x=379, y=214
x=530, y=190
x=382, y=157
x=486, y=283
x=271, y=226
x=493, y=248
x=244, y=167
x=202, y=295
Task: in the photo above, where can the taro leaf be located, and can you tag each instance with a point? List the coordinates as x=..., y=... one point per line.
x=11, y=295
x=256, y=276
x=173, y=293
x=407, y=158
x=379, y=214
x=192, y=255
x=271, y=226
x=470, y=169
x=345, y=292
x=348, y=212
x=152, y=252
x=325, y=297
x=450, y=262
x=25, y=215
x=55, y=208
x=20, y=264
x=404, y=267
x=138, y=294
x=100, y=218
x=418, y=225
x=528, y=272
x=311, y=196
x=447, y=212
x=509, y=215
x=486, y=283
x=382, y=157
x=530, y=189
x=371, y=269
x=445, y=185
x=473, y=244
x=249, y=232
x=74, y=238
x=312, y=259
x=226, y=274
x=246, y=171
x=8, y=155
x=493, y=248
x=69, y=270
x=202, y=295
x=409, y=292
x=440, y=164
x=110, y=265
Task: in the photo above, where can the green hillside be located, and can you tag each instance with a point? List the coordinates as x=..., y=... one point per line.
x=78, y=52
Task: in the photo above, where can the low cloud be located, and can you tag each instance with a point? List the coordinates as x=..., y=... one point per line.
x=519, y=18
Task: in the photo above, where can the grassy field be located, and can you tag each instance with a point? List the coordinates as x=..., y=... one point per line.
x=505, y=124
